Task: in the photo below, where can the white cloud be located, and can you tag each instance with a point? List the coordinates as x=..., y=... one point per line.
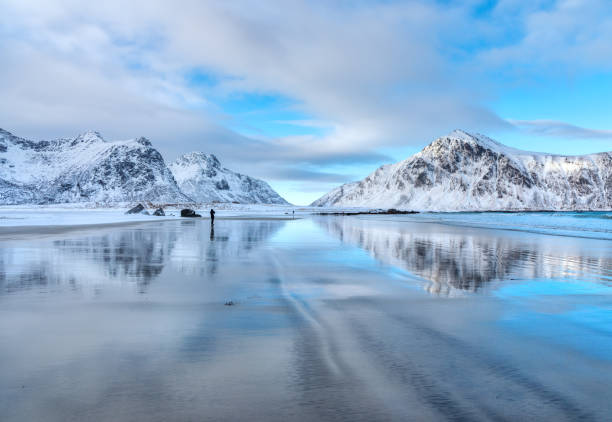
x=376, y=74
x=560, y=129
x=564, y=36
x=373, y=68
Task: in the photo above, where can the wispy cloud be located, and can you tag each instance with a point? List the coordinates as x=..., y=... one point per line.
x=312, y=176
x=560, y=129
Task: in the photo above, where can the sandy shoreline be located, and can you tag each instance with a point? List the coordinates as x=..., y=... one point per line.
x=24, y=232
x=20, y=223
x=36, y=231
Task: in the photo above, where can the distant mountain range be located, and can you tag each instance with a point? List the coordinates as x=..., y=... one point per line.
x=462, y=171
x=457, y=172
x=89, y=169
x=201, y=177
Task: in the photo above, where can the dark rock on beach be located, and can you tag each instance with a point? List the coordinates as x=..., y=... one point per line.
x=159, y=212
x=189, y=213
x=138, y=209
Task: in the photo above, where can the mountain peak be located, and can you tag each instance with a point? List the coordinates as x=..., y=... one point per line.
x=459, y=136
x=200, y=158
x=90, y=136
x=474, y=138
x=144, y=141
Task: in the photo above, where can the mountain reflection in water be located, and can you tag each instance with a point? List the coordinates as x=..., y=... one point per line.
x=120, y=255
x=136, y=254
x=203, y=243
x=450, y=258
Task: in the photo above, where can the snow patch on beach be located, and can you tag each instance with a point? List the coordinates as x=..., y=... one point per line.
x=15, y=217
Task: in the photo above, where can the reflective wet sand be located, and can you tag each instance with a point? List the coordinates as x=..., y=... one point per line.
x=334, y=318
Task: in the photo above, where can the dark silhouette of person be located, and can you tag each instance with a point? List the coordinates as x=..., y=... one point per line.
x=293, y=213
x=212, y=232
x=212, y=216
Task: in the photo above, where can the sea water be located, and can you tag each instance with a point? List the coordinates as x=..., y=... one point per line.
x=425, y=317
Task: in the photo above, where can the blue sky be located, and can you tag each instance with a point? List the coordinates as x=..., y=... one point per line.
x=310, y=94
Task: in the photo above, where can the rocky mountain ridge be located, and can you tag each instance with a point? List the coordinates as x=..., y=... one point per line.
x=465, y=172
x=89, y=169
x=85, y=168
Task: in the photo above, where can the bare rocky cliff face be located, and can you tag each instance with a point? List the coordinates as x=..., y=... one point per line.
x=462, y=172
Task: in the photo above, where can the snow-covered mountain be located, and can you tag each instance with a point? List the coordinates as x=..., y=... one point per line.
x=83, y=169
x=461, y=171
x=201, y=177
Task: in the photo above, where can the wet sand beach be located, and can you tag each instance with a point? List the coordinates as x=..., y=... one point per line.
x=332, y=318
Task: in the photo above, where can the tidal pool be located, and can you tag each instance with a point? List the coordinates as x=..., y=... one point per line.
x=333, y=318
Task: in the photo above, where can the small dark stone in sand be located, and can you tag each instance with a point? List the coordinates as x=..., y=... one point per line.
x=189, y=213
x=159, y=212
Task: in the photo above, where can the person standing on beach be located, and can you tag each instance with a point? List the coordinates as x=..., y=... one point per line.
x=212, y=216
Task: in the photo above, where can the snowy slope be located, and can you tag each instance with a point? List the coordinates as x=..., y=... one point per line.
x=201, y=177
x=461, y=171
x=83, y=169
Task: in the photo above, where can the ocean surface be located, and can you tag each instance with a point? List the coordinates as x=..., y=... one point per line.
x=464, y=316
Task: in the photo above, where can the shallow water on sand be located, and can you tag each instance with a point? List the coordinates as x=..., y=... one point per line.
x=344, y=318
